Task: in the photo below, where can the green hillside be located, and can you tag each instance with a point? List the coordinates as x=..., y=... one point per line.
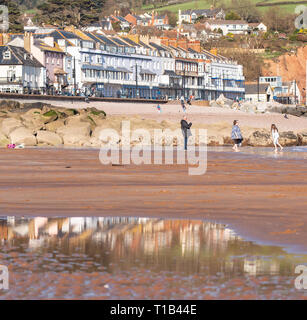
x=204, y=4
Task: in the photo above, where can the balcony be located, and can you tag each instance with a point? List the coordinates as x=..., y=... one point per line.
x=11, y=80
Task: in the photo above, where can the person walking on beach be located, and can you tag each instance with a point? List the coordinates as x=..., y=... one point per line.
x=185, y=126
x=159, y=108
x=236, y=135
x=182, y=104
x=275, y=137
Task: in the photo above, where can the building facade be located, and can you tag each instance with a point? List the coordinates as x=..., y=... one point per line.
x=283, y=92
x=93, y=63
x=190, y=16
x=20, y=71
x=228, y=26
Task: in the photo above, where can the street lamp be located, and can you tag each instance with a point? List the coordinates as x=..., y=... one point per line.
x=136, y=80
x=150, y=87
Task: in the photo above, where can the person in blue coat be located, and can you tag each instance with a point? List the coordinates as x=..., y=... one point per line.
x=236, y=135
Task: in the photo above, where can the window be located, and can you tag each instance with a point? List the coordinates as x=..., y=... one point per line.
x=7, y=54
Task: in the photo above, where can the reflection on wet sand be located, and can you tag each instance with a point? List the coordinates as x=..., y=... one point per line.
x=114, y=245
x=128, y=238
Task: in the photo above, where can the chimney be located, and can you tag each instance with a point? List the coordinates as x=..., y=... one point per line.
x=28, y=41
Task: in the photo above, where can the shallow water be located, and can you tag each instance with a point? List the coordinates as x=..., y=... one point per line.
x=140, y=258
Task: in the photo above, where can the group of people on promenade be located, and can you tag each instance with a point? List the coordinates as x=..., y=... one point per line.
x=236, y=134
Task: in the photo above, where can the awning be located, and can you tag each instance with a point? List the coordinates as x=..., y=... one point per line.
x=59, y=71
x=123, y=70
x=144, y=71
x=171, y=73
x=119, y=69
x=92, y=67
x=126, y=86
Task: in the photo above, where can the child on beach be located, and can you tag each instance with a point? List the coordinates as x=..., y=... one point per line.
x=159, y=108
x=275, y=137
x=182, y=104
x=236, y=135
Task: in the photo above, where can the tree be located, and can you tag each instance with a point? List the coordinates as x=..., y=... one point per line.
x=232, y=15
x=67, y=12
x=251, y=62
x=172, y=17
x=246, y=9
x=277, y=20
x=214, y=3
x=116, y=26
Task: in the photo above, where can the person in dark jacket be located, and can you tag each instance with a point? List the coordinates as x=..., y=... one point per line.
x=185, y=126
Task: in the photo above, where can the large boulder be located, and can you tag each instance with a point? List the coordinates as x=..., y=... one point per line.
x=96, y=113
x=215, y=140
x=10, y=124
x=49, y=116
x=277, y=109
x=213, y=104
x=3, y=113
x=288, y=138
x=4, y=140
x=94, y=142
x=261, y=107
x=93, y=119
x=49, y=138
x=75, y=120
x=107, y=125
x=33, y=120
x=10, y=104
x=302, y=138
x=260, y=138
x=65, y=113
x=76, y=135
x=294, y=111
x=224, y=102
x=36, y=105
x=23, y=135
x=54, y=125
x=248, y=107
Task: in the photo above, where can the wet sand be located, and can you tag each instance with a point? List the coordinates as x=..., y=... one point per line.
x=262, y=199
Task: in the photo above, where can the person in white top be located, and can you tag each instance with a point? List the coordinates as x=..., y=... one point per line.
x=275, y=137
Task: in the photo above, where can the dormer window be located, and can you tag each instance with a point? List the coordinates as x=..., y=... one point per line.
x=7, y=55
